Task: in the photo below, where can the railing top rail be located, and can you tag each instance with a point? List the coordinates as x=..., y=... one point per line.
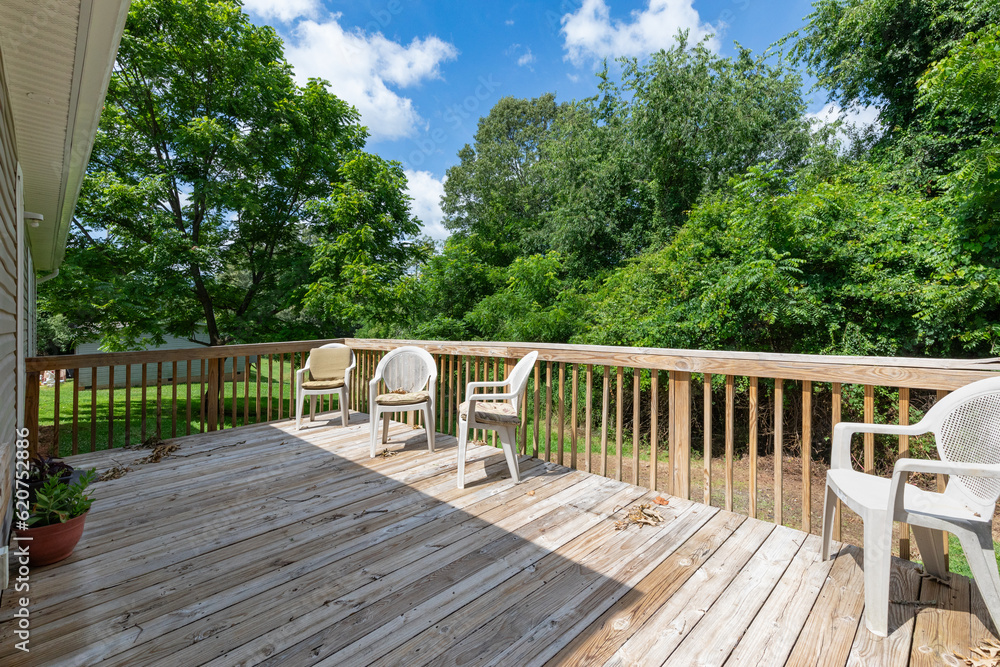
x=914, y=372
x=66, y=361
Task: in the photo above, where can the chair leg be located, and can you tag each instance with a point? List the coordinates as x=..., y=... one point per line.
x=829, y=509
x=373, y=423
x=312, y=407
x=930, y=542
x=299, y=400
x=878, y=557
x=463, y=442
x=342, y=399
x=429, y=426
x=978, y=547
x=508, y=440
x=385, y=428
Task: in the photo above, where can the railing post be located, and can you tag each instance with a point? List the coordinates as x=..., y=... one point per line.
x=31, y=411
x=212, y=396
x=680, y=431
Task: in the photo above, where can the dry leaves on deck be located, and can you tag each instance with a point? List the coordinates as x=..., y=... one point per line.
x=159, y=453
x=660, y=500
x=641, y=515
x=987, y=654
x=385, y=453
x=116, y=472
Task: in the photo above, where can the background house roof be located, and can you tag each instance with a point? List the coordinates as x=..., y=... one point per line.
x=58, y=57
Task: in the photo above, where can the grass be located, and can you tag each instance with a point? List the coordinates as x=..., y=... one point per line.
x=94, y=410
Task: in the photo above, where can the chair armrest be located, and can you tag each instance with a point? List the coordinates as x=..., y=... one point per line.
x=300, y=375
x=841, y=447
x=904, y=467
x=947, y=468
x=479, y=398
x=472, y=386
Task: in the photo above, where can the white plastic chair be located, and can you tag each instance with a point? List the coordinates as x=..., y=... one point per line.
x=410, y=375
x=966, y=428
x=317, y=387
x=494, y=412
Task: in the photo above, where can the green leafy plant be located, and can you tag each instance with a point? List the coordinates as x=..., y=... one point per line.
x=58, y=502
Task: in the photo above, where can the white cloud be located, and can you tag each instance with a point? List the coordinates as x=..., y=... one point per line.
x=526, y=59
x=860, y=117
x=509, y=22
x=426, y=192
x=283, y=10
x=590, y=32
x=575, y=78
x=360, y=68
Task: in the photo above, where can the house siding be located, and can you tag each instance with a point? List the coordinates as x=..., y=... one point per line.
x=9, y=386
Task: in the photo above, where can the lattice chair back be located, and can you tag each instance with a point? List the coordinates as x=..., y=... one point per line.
x=406, y=369
x=518, y=377
x=966, y=427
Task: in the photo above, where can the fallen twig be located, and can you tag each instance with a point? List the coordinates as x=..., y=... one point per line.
x=641, y=515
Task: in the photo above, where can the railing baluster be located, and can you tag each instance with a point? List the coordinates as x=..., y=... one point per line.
x=779, y=433
x=904, y=452
x=76, y=411
x=869, y=438
x=835, y=419
x=636, y=390
x=562, y=411
x=246, y=389
x=496, y=378
x=188, y=380
x=173, y=397
x=752, y=512
x=942, y=484
x=730, y=437
x=707, y=440
x=548, y=412
x=159, y=399
x=538, y=393
x=111, y=408
x=281, y=385
x=606, y=400
x=93, y=409
x=654, y=436
x=619, y=411
x=257, y=382
x=573, y=413
x=55, y=414
x=807, y=456
x=588, y=410
x=680, y=415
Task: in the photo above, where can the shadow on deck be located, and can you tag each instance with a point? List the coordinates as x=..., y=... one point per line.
x=266, y=545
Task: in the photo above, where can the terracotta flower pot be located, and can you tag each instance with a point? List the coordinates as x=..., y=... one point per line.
x=52, y=543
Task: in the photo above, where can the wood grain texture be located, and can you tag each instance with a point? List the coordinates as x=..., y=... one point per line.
x=341, y=559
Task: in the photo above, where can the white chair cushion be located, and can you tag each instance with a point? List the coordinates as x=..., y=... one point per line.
x=322, y=384
x=491, y=413
x=407, y=398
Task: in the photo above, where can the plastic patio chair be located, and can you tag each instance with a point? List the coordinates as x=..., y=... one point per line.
x=409, y=374
x=494, y=412
x=334, y=377
x=966, y=428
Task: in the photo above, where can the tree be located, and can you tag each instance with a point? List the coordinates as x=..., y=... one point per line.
x=872, y=52
x=495, y=194
x=214, y=189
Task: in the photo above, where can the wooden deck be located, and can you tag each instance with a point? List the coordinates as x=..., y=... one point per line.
x=263, y=545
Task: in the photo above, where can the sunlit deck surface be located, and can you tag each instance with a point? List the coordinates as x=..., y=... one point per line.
x=266, y=545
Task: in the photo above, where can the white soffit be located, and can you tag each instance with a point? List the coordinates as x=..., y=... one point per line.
x=58, y=56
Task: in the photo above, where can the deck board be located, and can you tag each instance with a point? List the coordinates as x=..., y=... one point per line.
x=271, y=546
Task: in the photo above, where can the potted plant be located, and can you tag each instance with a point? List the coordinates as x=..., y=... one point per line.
x=44, y=468
x=57, y=518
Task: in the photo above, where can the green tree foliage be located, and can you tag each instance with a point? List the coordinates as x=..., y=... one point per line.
x=495, y=195
x=219, y=191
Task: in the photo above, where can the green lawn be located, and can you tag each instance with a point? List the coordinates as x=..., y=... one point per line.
x=93, y=422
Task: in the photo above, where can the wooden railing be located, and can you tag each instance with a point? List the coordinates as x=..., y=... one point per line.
x=695, y=424
x=121, y=398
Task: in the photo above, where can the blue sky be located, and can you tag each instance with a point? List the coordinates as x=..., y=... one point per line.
x=422, y=73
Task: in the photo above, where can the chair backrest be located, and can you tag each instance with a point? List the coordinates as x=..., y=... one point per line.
x=518, y=377
x=966, y=427
x=406, y=368
x=329, y=345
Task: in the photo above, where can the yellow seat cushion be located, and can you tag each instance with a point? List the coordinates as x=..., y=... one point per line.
x=322, y=384
x=329, y=363
x=491, y=413
x=408, y=398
